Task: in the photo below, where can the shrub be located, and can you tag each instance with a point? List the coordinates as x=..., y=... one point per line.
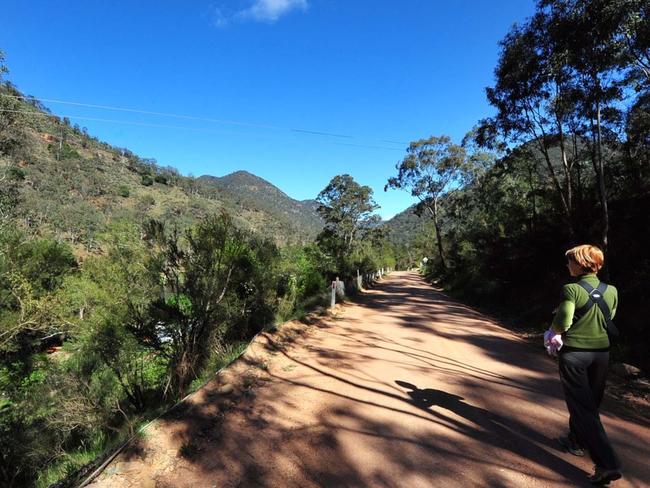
x=124, y=191
x=146, y=180
x=215, y=285
x=16, y=174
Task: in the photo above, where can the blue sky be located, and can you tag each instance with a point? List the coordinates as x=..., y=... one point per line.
x=295, y=91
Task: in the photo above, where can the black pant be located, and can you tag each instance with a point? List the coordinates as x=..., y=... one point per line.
x=583, y=375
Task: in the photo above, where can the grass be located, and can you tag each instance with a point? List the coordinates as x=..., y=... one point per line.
x=71, y=463
x=217, y=362
x=301, y=309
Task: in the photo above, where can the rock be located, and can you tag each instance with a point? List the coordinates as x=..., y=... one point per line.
x=625, y=370
x=226, y=389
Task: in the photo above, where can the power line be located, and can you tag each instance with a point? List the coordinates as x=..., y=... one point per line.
x=114, y=121
x=192, y=117
x=175, y=127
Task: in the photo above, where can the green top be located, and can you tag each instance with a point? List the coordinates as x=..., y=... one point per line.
x=589, y=331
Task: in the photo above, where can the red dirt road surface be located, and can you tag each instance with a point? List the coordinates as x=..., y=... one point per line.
x=405, y=388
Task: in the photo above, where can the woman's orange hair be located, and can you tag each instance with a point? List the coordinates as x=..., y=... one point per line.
x=588, y=257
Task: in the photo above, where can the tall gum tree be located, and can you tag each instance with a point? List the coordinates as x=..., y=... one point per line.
x=535, y=98
x=561, y=80
x=432, y=168
x=347, y=208
x=604, y=45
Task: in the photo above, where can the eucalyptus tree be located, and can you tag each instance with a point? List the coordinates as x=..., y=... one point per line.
x=561, y=81
x=637, y=144
x=586, y=55
x=634, y=34
x=534, y=95
x=605, y=42
x=348, y=211
x=431, y=169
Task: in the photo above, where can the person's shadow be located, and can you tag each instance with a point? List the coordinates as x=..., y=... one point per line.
x=492, y=429
x=429, y=397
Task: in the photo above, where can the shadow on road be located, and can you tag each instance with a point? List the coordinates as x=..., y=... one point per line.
x=357, y=435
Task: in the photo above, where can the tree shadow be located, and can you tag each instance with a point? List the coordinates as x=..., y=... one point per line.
x=332, y=420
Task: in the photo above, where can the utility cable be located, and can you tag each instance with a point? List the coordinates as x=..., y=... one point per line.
x=176, y=127
x=192, y=117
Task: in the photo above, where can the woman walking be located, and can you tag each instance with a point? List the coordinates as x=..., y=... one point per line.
x=580, y=327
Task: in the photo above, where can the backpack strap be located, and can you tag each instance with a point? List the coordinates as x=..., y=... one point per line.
x=595, y=297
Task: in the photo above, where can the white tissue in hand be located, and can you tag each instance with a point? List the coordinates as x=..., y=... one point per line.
x=552, y=342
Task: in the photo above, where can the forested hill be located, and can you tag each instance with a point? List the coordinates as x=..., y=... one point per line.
x=254, y=195
x=405, y=226
x=71, y=185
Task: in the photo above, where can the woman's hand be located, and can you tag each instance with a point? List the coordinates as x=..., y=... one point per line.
x=552, y=342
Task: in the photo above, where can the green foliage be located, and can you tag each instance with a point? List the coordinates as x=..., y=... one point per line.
x=571, y=96
x=42, y=262
x=347, y=209
x=432, y=168
x=220, y=357
x=562, y=82
x=209, y=285
x=16, y=174
x=301, y=277
x=68, y=152
x=9, y=200
x=146, y=180
x=124, y=191
x=145, y=203
x=141, y=324
x=30, y=274
x=71, y=462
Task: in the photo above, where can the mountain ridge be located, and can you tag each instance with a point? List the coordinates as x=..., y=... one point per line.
x=251, y=191
x=70, y=185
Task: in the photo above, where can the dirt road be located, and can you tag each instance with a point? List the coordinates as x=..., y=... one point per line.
x=406, y=388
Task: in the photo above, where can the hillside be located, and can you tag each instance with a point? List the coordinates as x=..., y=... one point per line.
x=406, y=226
x=71, y=185
x=252, y=195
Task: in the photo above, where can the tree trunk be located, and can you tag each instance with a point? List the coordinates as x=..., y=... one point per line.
x=542, y=141
x=436, y=224
x=600, y=173
x=567, y=170
x=533, y=218
x=558, y=187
